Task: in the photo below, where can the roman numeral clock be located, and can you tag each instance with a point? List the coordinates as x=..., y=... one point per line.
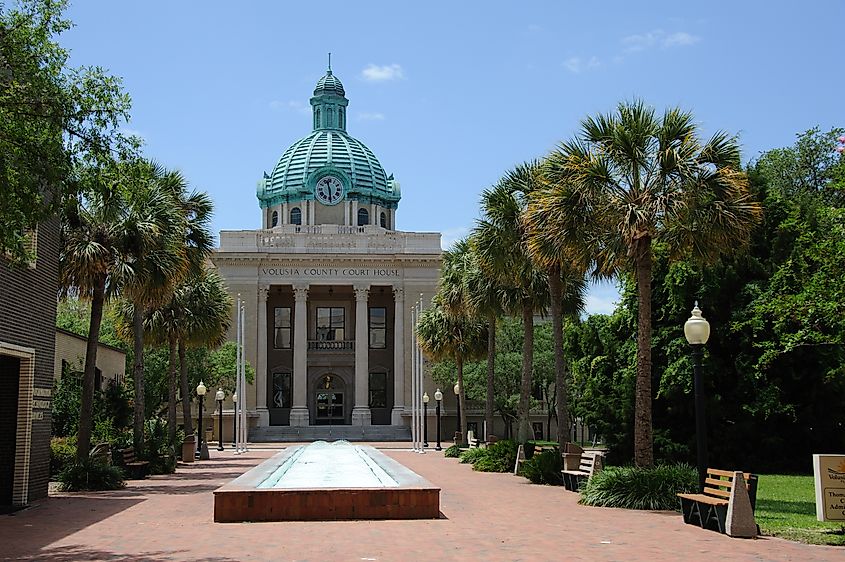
x=329, y=190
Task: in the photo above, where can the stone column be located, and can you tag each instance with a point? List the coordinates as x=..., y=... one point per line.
x=299, y=411
x=361, y=411
x=354, y=220
x=285, y=214
x=261, y=358
x=398, y=356
x=312, y=205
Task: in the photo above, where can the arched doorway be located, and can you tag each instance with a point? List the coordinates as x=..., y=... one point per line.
x=330, y=401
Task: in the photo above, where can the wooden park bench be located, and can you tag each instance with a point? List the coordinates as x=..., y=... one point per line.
x=589, y=463
x=710, y=508
x=520, y=454
x=135, y=469
x=472, y=441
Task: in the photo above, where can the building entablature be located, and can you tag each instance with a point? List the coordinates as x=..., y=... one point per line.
x=329, y=239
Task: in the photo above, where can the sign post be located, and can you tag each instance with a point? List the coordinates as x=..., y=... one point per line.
x=829, y=472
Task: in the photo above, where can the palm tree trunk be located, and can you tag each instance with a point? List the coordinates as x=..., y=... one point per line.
x=174, y=382
x=643, y=448
x=556, y=294
x=462, y=400
x=86, y=408
x=491, y=371
x=524, y=428
x=138, y=377
x=186, y=395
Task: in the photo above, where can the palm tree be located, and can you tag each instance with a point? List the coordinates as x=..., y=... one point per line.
x=104, y=231
x=454, y=336
x=558, y=256
x=500, y=242
x=206, y=309
x=197, y=314
x=632, y=178
x=158, y=270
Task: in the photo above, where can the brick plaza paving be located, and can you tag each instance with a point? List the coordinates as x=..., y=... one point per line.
x=483, y=517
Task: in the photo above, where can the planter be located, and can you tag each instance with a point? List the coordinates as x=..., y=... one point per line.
x=189, y=448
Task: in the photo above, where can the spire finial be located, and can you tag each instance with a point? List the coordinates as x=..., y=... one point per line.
x=330, y=63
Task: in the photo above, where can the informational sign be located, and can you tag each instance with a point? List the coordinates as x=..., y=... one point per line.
x=829, y=471
x=41, y=402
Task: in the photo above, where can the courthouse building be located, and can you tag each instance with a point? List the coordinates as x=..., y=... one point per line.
x=328, y=284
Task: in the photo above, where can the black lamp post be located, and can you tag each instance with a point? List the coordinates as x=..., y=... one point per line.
x=425, y=419
x=438, y=397
x=458, y=433
x=235, y=420
x=220, y=396
x=201, y=390
x=697, y=332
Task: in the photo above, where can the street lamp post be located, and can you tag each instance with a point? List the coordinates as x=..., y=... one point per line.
x=438, y=397
x=425, y=419
x=201, y=390
x=458, y=434
x=697, y=332
x=220, y=396
x=235, y=420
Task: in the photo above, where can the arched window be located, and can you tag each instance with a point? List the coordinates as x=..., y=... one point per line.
x=296, y=216
x=383, y=220
x=342, y=114
x=274, y=221
x=317, y=118
x=329, y=117
x=363, y=217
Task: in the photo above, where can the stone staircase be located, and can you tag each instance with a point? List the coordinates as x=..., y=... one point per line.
x=288, y=434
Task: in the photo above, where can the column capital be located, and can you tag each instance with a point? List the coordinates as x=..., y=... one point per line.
x=361, y=293
x=300, y=293
x=263, y=291
x=398, y=293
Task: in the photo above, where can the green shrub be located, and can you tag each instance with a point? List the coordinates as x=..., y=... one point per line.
x=498, y=457
x=472, y=455
x=544, y=468
x=453, y=452
x=90, y=475
x=640, y=488
x=161, y=453
x=62, y=453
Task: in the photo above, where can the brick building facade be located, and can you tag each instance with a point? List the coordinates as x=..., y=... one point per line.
x=27, y=348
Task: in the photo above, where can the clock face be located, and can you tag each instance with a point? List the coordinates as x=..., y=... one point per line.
x=329, y=190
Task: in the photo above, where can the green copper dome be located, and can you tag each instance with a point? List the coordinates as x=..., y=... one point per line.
x=328, y=151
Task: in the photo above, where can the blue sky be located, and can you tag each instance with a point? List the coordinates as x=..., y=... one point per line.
x=449, y=95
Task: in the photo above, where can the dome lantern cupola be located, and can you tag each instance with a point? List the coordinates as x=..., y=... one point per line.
x=329, y=102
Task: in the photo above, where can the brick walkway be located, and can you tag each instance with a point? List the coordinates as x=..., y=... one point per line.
x=484, y=517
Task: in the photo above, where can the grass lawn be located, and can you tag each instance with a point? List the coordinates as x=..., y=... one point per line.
x=786, y=507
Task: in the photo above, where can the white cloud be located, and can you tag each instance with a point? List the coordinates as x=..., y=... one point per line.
x=452, y=235
x=602, y=297
x=133, y=133
x=370, y=116
x=658, y=37
x=291, y=105
x=577, y=64
x=375, y=73
x=680, y=39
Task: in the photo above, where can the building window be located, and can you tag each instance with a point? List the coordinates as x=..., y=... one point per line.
x=330, y=323
x=275, y=220
x=296, y=215
x=342, y=113
x=363, y=217
x=378, y=390
x=282, y=390
x=317, y=118
x=537, y=429
x=281, y=323
x=473, y=427
x=378, y=328
x=383, y=220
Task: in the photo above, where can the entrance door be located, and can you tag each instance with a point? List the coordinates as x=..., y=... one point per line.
x=329, y=407
x=10, y=372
